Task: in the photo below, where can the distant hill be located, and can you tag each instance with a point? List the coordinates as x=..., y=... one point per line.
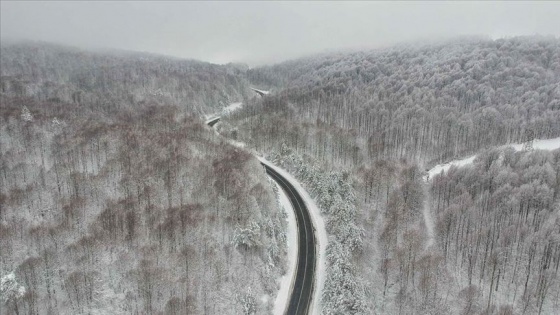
x=427, y=102
x=117, y=79
x=115, y=198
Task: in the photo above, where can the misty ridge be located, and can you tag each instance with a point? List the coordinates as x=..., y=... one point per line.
x=140, y=182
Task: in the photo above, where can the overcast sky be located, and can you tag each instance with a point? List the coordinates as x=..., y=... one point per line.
x=266, y=32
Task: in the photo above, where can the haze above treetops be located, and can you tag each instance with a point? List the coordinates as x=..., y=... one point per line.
x=258, y=33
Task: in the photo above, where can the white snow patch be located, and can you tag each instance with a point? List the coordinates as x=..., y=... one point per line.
x=445, y=167
x=10, y=290
x=538, y=144
x=261, y=91
x=231, y=108
x=235, y=143
x=429, y=221
x=238, y=144
x=224, y=111
x=283, y=297
x=320, y=233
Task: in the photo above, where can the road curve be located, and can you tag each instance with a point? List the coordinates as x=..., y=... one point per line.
x=302, y=286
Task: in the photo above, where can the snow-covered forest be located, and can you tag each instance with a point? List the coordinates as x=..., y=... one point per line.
x=419, y=102
x=498, y=223
x=115, y=198
x=110, y=81
x=117, y=201
x=460, y=243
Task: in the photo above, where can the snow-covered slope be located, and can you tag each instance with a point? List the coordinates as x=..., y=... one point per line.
x=226, y=110
x=540, y=144
x=232, y=107
x=179, y=235
x=283, y=296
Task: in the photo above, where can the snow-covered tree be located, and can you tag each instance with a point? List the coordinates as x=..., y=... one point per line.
x=248, y=238
x=10, y=289
x=248, y=302
x=26, y=114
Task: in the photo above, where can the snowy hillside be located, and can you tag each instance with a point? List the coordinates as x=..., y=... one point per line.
x=538, y=144
x=110, y=81
x=116, y=198
x=376, y=118
x=143, y=212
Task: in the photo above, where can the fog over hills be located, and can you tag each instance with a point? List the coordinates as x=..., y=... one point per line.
x=265, y=32
x=120, y=79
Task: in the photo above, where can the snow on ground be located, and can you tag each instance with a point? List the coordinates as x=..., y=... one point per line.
x=10, y=288
x=231, y=108
x=320, y=233
x=538, y=144
x=445, y=167
x=238, y=144
x=261, y=91
x=283, y=297
x=460, y=278
x=428, y=221
x=224, y=111
x=544, y=144
x=286, y=281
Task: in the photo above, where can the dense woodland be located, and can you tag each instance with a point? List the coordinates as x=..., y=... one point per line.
x=111, y=81
x=378, y=257
x=498, y=223
x=425, y=103
x=381, y=118
x=114, y=198
x=343, y=290
x=144, y=212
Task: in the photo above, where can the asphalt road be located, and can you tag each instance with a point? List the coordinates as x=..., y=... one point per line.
x=302, y=286
x=212, y=122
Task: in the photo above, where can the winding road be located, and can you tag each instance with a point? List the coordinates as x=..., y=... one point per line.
x=302, y=289
x=303, y=285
